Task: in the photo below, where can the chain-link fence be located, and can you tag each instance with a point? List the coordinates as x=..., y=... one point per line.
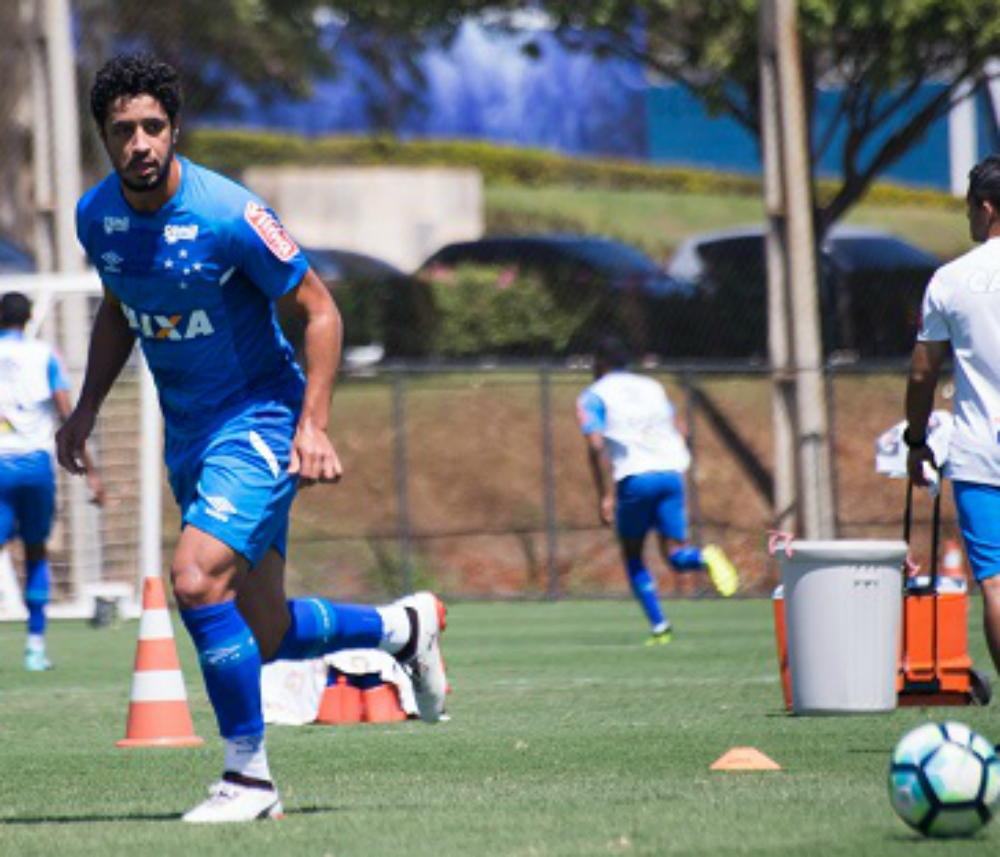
x=465, y=465
x=476, y=482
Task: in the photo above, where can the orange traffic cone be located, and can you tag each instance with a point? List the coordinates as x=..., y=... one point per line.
x=381, y=704
x=158, y=714
x=340, y=703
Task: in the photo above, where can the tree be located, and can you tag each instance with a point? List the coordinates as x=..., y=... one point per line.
x=273, y=46
x=878, y=53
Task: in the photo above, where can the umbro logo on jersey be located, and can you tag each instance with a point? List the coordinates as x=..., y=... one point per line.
x=112, y=262
x=173, y=233
x=174, y=328
x=272, y=233
x=115, y=224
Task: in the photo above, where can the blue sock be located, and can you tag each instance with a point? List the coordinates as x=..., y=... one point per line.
x=644, y=587
x=320, y=627
x=231, y=664
x=687, y=559
x=36, y=594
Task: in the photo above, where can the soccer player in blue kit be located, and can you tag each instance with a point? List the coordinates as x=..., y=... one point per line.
x=629, y=424
x=192, y=266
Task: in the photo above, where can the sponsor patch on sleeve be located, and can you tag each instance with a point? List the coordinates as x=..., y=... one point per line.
x=271, y=232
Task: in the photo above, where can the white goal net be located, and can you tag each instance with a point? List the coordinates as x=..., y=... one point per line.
x=96, y=553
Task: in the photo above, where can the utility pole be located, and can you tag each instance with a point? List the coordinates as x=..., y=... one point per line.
x=778, y=301
x=56, y=164
x=793, y=303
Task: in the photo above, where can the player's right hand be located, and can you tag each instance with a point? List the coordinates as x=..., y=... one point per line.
x=71, y=441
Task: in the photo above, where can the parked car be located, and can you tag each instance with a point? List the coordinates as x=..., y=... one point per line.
x=14, y=260
x=580, y=258
x=870, y=291
x=621, y=284
x=383, y=308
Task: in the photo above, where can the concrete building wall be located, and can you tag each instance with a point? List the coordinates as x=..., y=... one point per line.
x=399, y=214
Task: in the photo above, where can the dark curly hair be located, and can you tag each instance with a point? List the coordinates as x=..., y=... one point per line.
x=613, y=352
x=15, y=310
x=135, y=74
x=984, y=181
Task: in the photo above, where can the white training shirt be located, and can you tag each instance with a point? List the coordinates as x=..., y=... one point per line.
x=636, y=418
x=962, y=306
x=30, y=373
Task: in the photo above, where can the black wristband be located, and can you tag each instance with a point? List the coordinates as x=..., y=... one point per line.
x=911, y=443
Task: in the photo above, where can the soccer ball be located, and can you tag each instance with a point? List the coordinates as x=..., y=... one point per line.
x=944, y=780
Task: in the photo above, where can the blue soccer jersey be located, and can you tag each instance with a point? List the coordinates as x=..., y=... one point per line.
x=197, y=281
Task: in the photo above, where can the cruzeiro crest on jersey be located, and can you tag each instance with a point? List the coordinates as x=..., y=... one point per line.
x=272, y=233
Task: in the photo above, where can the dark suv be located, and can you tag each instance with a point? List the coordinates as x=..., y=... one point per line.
x=626, y=289
x=870, y=290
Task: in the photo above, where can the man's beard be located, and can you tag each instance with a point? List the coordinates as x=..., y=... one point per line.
x=158, y=180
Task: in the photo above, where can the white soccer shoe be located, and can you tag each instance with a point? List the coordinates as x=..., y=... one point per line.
x=229, y=802
x=426, y=667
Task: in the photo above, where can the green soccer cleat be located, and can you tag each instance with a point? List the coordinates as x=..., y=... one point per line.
x=36, y=661
x=723, y=573
x=660, y=638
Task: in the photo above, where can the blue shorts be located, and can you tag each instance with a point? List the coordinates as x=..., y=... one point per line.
x=234, y=483
x=27, y=497
x=648, y=500
x=979, y=519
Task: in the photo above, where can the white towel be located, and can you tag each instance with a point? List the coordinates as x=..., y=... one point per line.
x=292, y=690
x=891, y=452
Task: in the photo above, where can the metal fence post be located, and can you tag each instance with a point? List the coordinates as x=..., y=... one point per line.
x=694, y=508
x=548, y=469
x=401, y=462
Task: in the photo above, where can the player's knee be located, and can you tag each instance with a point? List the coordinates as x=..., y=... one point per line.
x=35, y=552
x=193, y=586
x=991, y=591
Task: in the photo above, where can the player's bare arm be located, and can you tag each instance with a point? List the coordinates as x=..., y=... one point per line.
x=313, y=455
x=605, y=493
x=925, y=370
x=111, y=343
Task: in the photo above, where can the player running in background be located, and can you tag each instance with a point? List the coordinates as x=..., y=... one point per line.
x=34, y=393
x=960, y=319
x=629, y=424
x=192, y=266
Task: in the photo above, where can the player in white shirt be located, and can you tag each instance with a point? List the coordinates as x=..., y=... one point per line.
x=34, y=393
x=961, y=317
x=629, y=424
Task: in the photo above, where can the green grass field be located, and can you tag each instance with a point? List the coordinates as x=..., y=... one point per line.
x=568, y=738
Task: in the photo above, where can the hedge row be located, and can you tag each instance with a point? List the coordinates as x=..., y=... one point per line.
x=234, y=151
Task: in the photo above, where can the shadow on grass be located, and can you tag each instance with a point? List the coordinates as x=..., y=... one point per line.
x=102, y=819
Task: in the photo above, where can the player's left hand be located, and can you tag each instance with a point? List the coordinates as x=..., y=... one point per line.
x=313, y=457
x=607, y=510
x=916, y=460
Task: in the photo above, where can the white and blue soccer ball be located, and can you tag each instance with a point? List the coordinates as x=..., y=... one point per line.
x=944, y=780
